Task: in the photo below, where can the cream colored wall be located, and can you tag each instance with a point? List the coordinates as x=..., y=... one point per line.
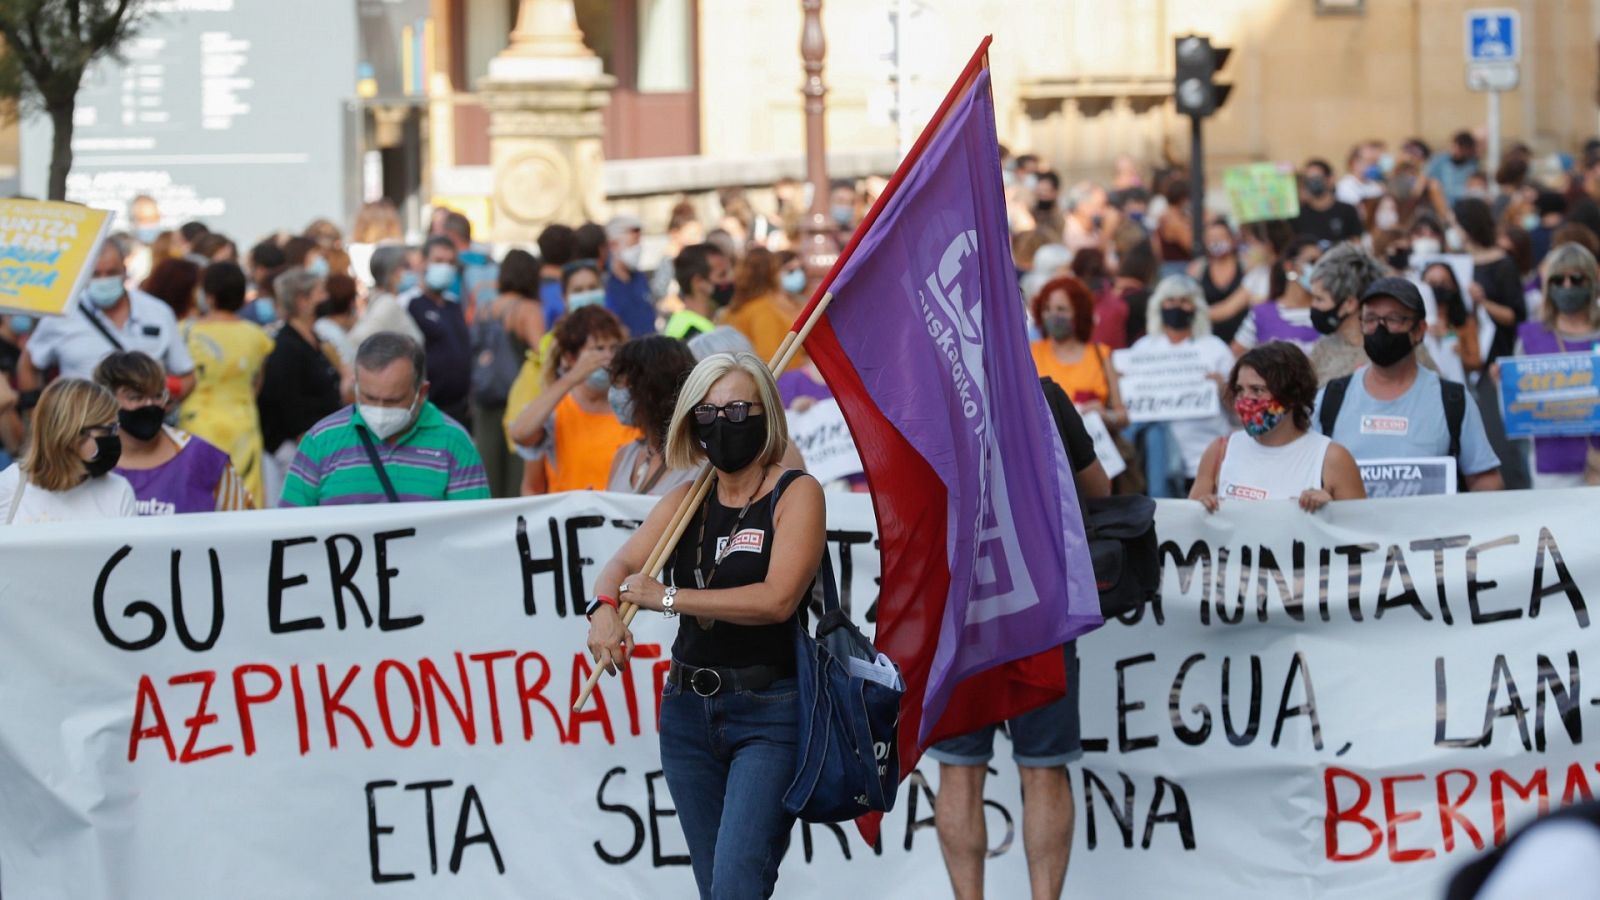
x=1305, y=84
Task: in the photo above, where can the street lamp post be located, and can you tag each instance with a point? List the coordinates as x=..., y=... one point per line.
x=818, y=248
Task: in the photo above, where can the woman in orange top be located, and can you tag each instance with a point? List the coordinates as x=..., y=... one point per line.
x=760, y=310
x=570, y=424
x=1064, y=309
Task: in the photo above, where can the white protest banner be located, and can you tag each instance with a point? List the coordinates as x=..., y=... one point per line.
x=1347, y=704
x=1166, y=383
x=823, y=439
x=1424, y=477
x=374, y=702
x=1105, y=448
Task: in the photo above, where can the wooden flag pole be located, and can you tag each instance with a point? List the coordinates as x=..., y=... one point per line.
x=792, y=342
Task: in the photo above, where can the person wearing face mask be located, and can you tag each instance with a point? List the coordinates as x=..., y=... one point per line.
x=267, y=262
x=1221, y=276
x=1496, y=288
x=1068, y=353
x=1452, y=338
x=392, y=278
x=645, y=376
x=300, y=381
x=1550, y=213
x=1394, y=408
x=230, y=356
x=66, y=474
x=107, y=317
x=761, y=310
x=747, y=559
x=842, y=209
x=172, y=472
x=392, y=445
x=792, y=276
x=445, y=336
x=1047, y=213
x=570, y=426
x=1452, y=169
x=477, y=273
x=705, y=284
x=1569, y=322
x=1336, y=284
x=627, y=285
x=1321, y=214
x=1179, y=306
x=1276, y=456
x=1288, y=317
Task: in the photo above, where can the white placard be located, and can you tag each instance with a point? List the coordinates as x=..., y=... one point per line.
x=1166, y=384
x=1105, y=448
x=823, y=439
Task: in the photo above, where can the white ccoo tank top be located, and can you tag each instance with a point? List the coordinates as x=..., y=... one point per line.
x=1253, y=471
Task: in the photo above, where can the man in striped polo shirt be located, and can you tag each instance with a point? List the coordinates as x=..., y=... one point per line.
x=392, y=445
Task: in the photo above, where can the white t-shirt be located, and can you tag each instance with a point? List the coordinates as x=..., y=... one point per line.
x=1193, y=436
x=107, y=497
x=1252, y=470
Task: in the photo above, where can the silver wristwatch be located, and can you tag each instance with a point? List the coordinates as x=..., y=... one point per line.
x=667, y=602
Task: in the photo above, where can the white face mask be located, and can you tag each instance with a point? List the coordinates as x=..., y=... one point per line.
x=1424, y=247
x=631, y=256
x=387, y=421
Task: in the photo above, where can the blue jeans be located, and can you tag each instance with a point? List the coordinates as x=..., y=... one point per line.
x=1160, y=455
x=728, y=761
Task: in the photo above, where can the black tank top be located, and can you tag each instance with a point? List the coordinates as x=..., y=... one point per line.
x=1215, y=294
x=746, y=562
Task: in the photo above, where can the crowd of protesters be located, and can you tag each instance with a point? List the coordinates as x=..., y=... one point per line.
x=1405, y=279
x=328, y=367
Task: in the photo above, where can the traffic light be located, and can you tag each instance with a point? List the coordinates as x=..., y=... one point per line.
x=1195, y=87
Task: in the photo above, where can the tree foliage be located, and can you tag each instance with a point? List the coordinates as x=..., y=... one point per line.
x=49, y=44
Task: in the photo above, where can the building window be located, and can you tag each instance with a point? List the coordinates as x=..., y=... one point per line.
x=666, y=53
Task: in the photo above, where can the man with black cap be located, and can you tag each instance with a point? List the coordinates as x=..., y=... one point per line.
x=1394, y=408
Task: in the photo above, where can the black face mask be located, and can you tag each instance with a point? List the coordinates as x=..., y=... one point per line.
x=1450, y=301
x=731, y=446
x=722, y=294
x=1177, y=318
x=143, y=423
x=1385, y=347
x=1326, y=321
x=108, y=451
x=1045, y=206
x=1399, y=257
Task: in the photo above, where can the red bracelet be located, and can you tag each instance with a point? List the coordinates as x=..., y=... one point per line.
x=609, y=601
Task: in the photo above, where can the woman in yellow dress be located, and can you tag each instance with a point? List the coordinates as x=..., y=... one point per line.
x=228, y=353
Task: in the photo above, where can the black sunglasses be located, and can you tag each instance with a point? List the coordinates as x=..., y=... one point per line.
x=1564, y=279
x=737, y=412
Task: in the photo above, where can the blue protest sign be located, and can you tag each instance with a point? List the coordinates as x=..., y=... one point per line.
x=1550, y=396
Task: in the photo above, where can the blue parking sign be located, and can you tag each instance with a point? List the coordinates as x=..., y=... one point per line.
x=1492, y=35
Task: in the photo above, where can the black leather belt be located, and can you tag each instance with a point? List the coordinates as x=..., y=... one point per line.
x=711, y=681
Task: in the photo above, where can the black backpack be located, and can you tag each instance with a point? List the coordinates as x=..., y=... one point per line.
x=496, y=360
x=1121, y=531
x=1452, y=395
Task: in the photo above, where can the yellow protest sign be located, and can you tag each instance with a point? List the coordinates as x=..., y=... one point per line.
x=47, y=251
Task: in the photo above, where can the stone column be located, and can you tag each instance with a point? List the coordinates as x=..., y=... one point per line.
x=545, y=93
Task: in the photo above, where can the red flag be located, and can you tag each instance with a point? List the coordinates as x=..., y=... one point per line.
x=985, y=569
